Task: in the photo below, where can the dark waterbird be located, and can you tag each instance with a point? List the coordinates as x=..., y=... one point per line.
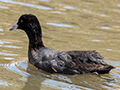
x=67, y=62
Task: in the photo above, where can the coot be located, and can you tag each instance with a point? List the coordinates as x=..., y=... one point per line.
x=67, y=62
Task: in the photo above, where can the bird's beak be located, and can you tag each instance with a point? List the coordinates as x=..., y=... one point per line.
x=15, y=26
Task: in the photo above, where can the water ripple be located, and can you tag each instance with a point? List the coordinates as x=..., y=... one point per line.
x=9, y=46
x=14, y=67
x=109, y=49
x=1, y=29
x=57, y=12
x=96, y=40
x=2, y=42
x=105, y=27
x=118, y=5
x=62, y=85
x=8, y=54
x=69, y=7
x=87, y=11
x=26, y=4
x=4, y=7
x=61, y=77
x=5, y=83
x=8, y=58
x=103, y=15
x=59, y=25
x=44, y=0
x=90, y=12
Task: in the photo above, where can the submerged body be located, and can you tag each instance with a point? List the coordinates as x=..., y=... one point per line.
x=67, y=62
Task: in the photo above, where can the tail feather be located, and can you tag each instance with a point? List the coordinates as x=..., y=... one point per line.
x=105, y=69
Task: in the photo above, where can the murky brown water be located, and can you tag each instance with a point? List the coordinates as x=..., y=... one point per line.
x=66, y=25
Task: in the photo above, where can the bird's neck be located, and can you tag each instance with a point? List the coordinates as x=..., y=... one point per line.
x=35, y=38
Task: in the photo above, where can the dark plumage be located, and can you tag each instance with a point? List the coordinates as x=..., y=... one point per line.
x=68, y=62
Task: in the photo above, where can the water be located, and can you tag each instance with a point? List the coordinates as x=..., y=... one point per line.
x=66, y=25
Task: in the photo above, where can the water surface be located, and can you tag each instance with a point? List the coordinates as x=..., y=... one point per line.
x=66, y=25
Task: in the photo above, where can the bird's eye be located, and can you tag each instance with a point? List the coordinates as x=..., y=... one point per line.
x=21, y=21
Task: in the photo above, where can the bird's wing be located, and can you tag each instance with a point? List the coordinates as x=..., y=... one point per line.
x=79, y=62
x=90, y=57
